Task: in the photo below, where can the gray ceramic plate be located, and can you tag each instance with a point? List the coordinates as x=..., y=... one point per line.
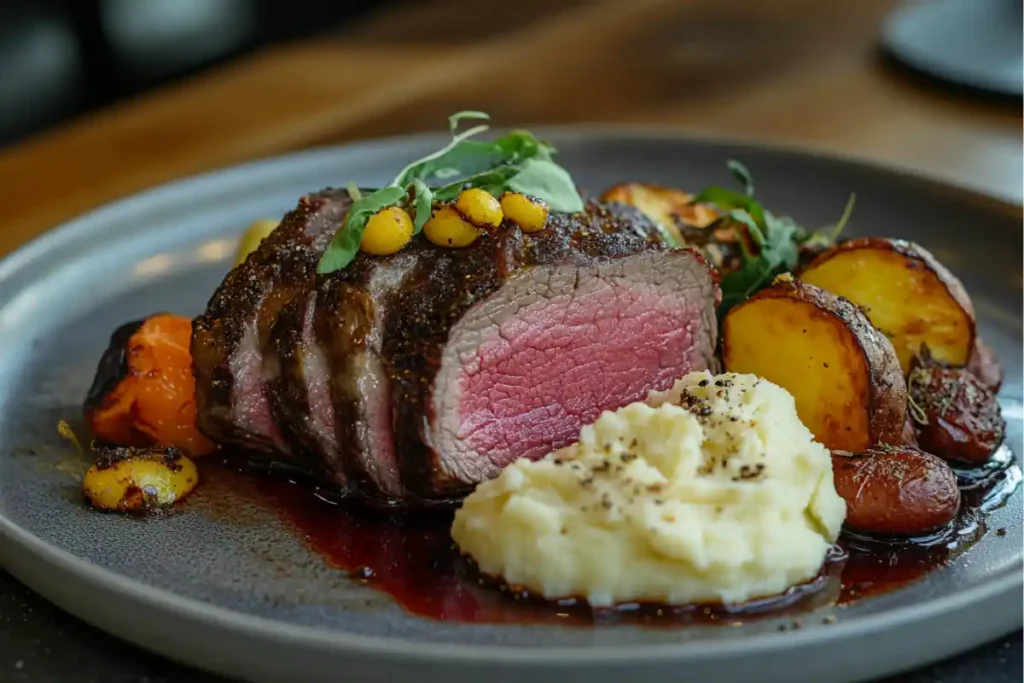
x=227, y=586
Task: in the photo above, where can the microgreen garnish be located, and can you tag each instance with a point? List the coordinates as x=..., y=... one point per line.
x=774, y=241
x=516, y=162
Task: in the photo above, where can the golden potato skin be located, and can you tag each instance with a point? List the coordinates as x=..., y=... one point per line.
x=665, y=205
x=906, y=293
x=960, y=419
x=842, y=373
x=895, y=492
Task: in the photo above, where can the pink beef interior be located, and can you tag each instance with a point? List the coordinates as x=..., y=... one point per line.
x=564, y=345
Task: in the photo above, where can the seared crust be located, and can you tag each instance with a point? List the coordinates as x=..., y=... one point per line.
x=888, y=391
x=254, y=293
x=435, y=293
x=289, y=402
x=382, y=325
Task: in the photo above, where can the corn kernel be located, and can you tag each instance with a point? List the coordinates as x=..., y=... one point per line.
x=387, y=231
x=531, y=215
x=479, y=208
x=447, y=228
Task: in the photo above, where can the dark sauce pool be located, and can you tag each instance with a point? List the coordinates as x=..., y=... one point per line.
x=413, y=559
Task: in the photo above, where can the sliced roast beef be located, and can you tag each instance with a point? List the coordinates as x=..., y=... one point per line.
x=408, y=379
x=230, y=336
x=447, y=364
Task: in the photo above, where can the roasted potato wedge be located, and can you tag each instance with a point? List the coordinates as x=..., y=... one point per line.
x=842, y=372
x=907, y=294
x=666, y=206
x=895, y=492
x=958, y=418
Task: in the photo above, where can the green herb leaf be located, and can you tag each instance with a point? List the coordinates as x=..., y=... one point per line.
x=514, y=161
x=419, y=168
x=353, y=192
x=493, y=181
x=755, y=230
x=455, y=119
x=422, y=199
x=549, y=182
x=836, y=229
x=742, y=174
x=724, y=198
x=345, y=244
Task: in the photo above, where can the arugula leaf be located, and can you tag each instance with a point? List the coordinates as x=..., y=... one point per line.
x=755, y=230
x=777, y=238
x=415, y=169
x=345, y=244
x=729, y=199
x=494, y=181
x=548, y=182
x=422, y=199
x=741, y=174
x=472, y=157
x=515, y=161
x=836, y=229
x=459, y=116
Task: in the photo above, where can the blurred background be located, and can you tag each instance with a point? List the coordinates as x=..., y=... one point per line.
x=61, y=58
x=106, y=97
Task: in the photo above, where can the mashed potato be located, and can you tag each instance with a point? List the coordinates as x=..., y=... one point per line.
x=711, y=491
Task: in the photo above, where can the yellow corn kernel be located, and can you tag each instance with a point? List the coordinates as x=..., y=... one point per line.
x=139, y=481
x=479, y=208
x=531, y=215
x=386, y=232
x=252, y=237
x=447, y=228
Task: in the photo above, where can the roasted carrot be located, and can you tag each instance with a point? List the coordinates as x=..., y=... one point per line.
x=144, y=392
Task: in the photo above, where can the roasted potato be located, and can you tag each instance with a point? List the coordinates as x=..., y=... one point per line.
x=984, y=365
x=958, y=418
x=139, y=480
x=841, y=371
x=663, y=205
x=895, y=492
x=906, y=293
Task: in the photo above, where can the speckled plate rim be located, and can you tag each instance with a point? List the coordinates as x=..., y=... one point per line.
x=22, y=553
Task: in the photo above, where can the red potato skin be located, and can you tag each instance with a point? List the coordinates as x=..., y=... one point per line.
x=909, y=432
x=962, y=419
x=896, y=492
x=984, y=365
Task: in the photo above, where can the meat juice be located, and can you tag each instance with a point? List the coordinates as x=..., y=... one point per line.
x=412, y=558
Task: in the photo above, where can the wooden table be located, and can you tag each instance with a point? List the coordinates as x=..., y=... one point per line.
x=795, y=71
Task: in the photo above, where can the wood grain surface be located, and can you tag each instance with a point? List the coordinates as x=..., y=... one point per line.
x=794, y=71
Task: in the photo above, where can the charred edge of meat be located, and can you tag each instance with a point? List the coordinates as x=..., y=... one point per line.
x=113, y=365
x=108, y=456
